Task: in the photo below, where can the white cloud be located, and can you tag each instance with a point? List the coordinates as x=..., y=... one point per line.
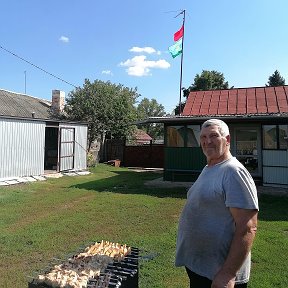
x=148, y=50
x=139, y=66
x=64, y=39
x=107, y=72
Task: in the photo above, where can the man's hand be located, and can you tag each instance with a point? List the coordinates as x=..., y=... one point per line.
x=222, y=280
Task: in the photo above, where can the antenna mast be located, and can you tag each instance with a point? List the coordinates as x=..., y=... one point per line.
x=181, y=66
x=25, y=80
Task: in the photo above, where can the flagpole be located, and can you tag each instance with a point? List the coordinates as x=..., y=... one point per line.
x=181, y=66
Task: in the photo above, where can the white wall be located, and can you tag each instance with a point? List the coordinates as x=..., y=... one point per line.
x=275, y=167
x=21, y=147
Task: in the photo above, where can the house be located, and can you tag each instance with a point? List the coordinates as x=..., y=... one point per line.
x=32, y=141
x=140, y=137
x=258, y=121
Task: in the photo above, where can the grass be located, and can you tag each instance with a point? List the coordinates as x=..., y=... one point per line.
x=41, y=221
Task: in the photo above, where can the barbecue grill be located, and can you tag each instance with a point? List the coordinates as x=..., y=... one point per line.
x=117, y=274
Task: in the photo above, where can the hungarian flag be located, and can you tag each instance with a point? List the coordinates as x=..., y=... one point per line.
x=179, y=33
x=176, y=49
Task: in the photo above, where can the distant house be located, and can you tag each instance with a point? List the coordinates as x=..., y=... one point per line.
x=33, y=141
x=141, y=137
x=258, y=122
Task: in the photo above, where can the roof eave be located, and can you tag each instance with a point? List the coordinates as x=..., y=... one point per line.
x=184, y=119
x=43, y=119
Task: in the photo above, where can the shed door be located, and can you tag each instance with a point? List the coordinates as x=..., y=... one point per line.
x=66, y=148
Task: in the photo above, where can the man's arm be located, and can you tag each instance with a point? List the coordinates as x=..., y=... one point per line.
x=245, y=230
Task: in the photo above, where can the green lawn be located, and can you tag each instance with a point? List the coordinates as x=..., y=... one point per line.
x=42, y=221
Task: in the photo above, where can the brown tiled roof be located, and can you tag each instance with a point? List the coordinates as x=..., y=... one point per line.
x=141, y=135
x=20, y=105
x=238, y=101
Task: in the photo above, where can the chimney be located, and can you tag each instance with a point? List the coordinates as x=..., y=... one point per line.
x=58, y=101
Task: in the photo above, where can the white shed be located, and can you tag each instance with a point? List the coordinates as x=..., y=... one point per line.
x=33, y=142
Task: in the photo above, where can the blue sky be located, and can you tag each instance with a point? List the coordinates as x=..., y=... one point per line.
x=127, y=42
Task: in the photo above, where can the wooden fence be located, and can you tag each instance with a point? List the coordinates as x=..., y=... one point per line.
x=147, y=156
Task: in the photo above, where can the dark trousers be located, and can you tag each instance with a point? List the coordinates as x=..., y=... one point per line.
x=197, y=281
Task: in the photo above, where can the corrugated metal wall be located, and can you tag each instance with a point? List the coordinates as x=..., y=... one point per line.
x=190, y=159
x=21, y=147
x=275, y=167
x=80, y=150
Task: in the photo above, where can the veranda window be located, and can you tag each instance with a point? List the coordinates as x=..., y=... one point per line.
x=283, y=136
x=270, y=137
x=275, y=137
x=175, y=136
x=183, y=136
x=193, y=136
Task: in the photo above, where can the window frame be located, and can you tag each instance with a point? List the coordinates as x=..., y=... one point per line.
x=277, y=137
x=186, y=127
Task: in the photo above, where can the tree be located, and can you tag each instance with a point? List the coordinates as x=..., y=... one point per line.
x=108, y=108
x=208, y=80
x=275, y=79
x=176, y=110
x=151, y=108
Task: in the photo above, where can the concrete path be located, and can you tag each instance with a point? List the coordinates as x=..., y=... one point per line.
x=279, y=191
x=19, y=180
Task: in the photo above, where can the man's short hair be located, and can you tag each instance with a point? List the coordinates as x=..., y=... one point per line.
x=222, y=126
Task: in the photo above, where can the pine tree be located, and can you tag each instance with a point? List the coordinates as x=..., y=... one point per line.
x=275, y=80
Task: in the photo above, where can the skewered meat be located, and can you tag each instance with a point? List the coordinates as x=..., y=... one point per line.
x=77, y=270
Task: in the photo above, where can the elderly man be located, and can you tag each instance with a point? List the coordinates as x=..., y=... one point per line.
x=219, y=220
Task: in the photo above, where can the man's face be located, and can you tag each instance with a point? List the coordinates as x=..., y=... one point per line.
x=214, y=146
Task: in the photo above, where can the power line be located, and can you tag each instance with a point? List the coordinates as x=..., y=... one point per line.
x=38, y=67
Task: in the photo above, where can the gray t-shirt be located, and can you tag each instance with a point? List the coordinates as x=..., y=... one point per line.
x=206, y=226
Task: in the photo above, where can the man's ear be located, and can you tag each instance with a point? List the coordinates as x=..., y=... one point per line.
x=228, y=138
